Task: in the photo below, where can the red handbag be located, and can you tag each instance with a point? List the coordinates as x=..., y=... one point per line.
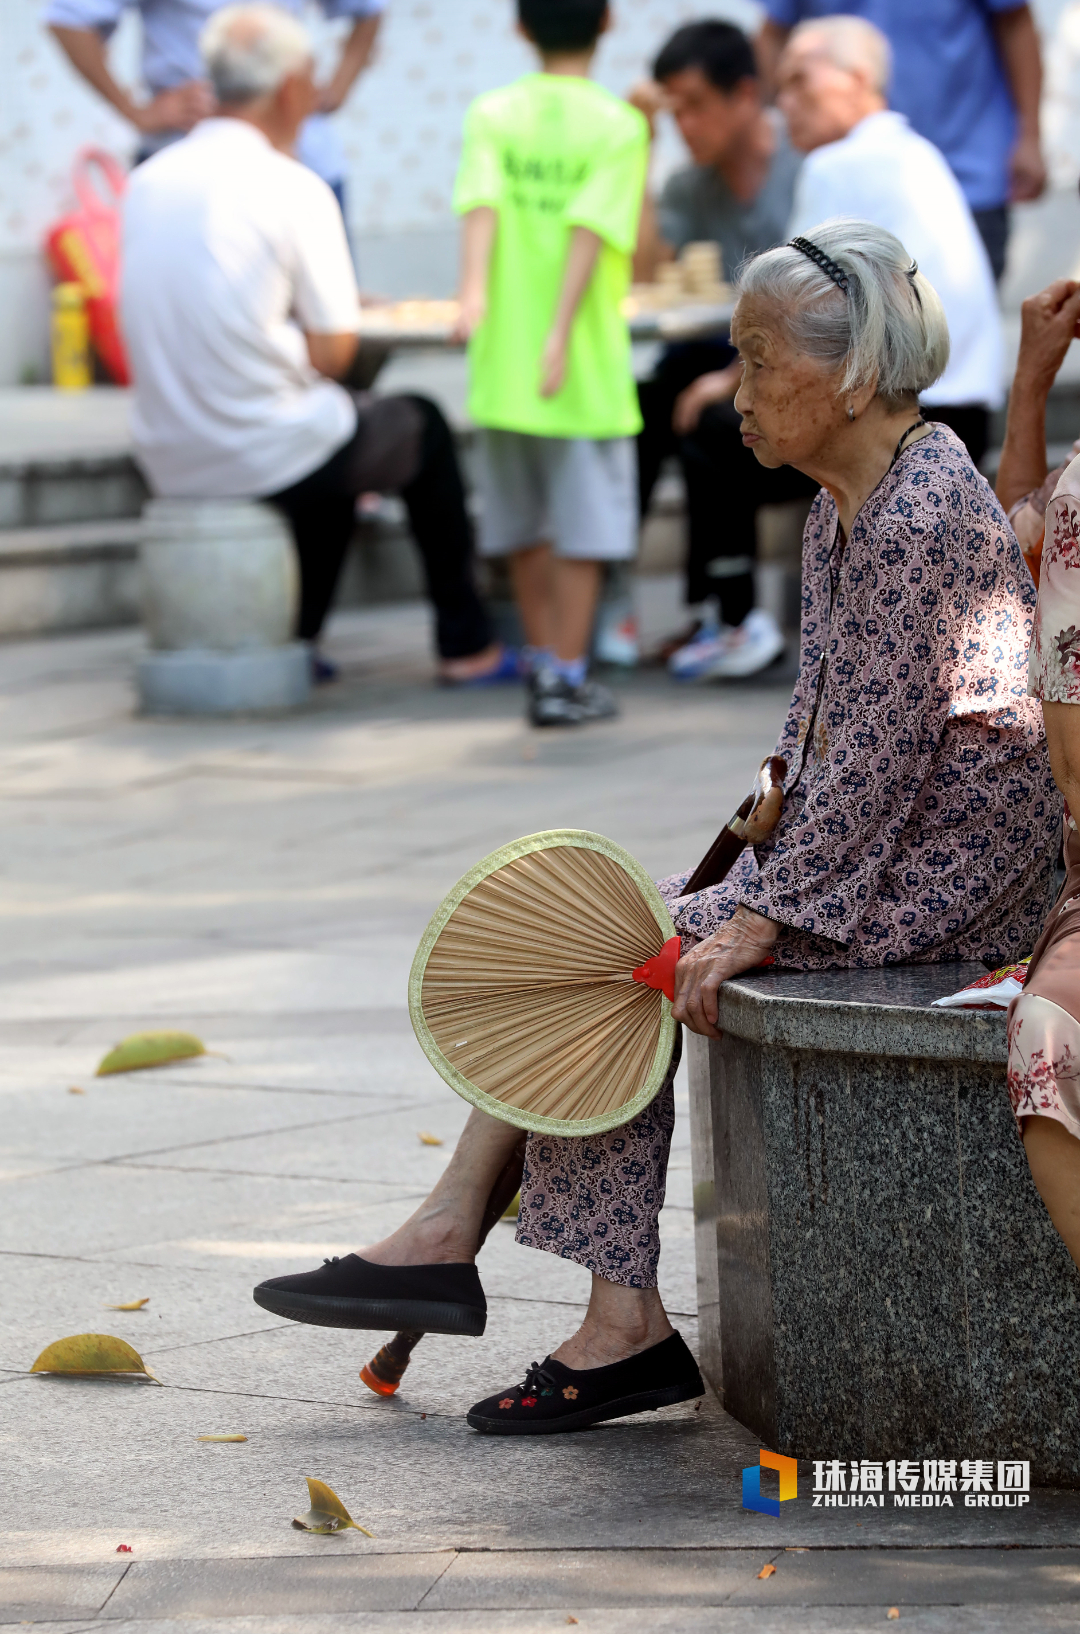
x=84, y=247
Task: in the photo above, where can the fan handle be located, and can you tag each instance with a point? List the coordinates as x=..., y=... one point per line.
x=733, y=837
x=384, y=1372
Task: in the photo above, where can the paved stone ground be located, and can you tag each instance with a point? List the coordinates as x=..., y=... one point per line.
x=265, y=884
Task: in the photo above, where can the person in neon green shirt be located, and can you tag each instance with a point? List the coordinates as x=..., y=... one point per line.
x=551, y=183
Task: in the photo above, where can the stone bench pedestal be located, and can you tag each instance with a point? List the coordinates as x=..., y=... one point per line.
x=877, y=1275
x=220, y=587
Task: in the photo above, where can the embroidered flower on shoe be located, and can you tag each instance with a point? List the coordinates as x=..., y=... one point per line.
x=528, y=1401
x=507, y=1401
x=570, y=1392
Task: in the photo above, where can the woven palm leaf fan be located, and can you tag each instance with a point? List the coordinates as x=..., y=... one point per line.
x=541, y=989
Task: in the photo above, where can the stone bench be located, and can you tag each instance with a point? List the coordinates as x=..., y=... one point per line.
x=220, y=589
x=877, y=1275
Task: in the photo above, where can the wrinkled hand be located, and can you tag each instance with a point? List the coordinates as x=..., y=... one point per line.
x=739, y=945
x=472, y=310
x=719, y=386
x=553, y=365
x=1049, y=323
x=177, y=109
x=648, y=98
x=1027, y=171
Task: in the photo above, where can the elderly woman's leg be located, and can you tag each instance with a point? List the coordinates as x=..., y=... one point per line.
x=446, y=1227
x=1053, y=1155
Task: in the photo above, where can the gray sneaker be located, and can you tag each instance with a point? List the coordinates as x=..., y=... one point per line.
x=554, y=702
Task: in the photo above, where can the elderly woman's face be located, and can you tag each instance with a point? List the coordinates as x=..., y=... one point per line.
x=788, y=401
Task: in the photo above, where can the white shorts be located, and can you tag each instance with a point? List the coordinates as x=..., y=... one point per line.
x=579, y=495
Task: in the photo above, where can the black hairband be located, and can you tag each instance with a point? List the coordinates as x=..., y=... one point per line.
x=820, y=259
x=832, y=270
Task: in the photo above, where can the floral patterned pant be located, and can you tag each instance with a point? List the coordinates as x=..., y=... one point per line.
x=597, y=1200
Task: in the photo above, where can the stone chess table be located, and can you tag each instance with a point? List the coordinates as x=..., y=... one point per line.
x=877, y=1275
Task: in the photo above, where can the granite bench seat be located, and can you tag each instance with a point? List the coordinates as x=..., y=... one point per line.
x=877, y=1275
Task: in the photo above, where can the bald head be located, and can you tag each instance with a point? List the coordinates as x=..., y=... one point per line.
x=250, y=50
x=833, y=73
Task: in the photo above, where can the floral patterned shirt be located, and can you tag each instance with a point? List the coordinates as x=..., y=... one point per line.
x=1054, y=659
x=920, y=818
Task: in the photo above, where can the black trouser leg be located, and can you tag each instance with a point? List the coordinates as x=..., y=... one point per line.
x=677, y=368
x=725, y=485
x=435, y=499
x=322, y=525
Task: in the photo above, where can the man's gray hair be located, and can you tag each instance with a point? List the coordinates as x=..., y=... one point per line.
x=851, y=43
x=887, y=330
x=249, y=49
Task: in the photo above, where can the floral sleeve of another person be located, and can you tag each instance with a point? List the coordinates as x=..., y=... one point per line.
x=1054, y=657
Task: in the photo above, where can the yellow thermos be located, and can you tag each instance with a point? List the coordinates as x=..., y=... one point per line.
x=71, y=366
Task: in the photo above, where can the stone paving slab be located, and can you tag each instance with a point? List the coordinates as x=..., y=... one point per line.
x=972, y=1619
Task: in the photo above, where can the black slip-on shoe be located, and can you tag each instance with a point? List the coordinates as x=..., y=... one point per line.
x=354, y=1293
x=554, y=1397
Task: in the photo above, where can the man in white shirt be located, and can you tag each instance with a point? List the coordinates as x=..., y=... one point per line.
x=241, y=314
x=866, y=162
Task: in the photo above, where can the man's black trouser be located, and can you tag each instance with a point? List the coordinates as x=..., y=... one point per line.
x=401, y=445
x=724, y=482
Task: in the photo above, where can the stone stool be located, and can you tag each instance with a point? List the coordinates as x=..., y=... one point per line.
x=877, y=1275
x=220, y=588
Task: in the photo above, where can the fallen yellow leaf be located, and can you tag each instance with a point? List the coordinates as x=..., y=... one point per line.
x=86, y=1354
x=150, y=1050
x=327, y=1512
x=512, y=1207
x=132, y=1305
x=73, y=1089
x=767, y=1571
x=893, y=1613
x=221, y=1438
x=428, y=1139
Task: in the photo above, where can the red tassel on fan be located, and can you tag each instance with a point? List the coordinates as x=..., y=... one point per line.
x=659, y=971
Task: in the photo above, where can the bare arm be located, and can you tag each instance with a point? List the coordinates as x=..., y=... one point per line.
x=1049, y=322
x=332, y=355
x=580, y=264
x=769, y=43
x=355, y=56
x=1018, y=45
x=477, y=243
x=650, y=99
x=177, y=109
x=1063, y=741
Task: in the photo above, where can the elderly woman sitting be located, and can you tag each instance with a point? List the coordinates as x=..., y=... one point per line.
x=919, y=817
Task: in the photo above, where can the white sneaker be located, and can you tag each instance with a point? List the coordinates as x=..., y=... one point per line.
x=693, y=661
x=616, y=640
x=748, y=648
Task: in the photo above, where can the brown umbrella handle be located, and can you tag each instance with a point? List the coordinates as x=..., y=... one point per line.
x=733, y=837
x=386, y=1368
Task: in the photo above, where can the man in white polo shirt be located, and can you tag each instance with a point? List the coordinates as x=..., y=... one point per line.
x=241, y=315
x=865, y=161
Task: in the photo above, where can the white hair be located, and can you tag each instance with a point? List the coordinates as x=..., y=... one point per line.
x=887, y=330
x=249, y=49
x=851, y=43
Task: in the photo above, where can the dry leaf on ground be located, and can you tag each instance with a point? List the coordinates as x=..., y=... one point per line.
x=893, y=1613
x=221, y=1438
x=85, y=1355
x=150, y=1050
x=73, y=1089
x=428, y=1139
x=767, y=1571
x=132, y=1305
x=327, y=1512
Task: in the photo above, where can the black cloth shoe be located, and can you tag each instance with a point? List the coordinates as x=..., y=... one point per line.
x=554, y=1397
x=354, y=1293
